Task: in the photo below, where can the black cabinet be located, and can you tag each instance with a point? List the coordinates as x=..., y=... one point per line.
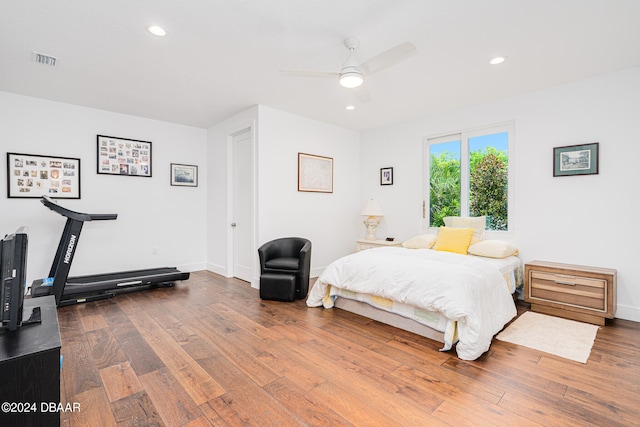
x=30, y=369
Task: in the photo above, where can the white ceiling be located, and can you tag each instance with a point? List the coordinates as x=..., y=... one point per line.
x=221, y=57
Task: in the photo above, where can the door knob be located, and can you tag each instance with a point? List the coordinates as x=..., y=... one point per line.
x=233, y=224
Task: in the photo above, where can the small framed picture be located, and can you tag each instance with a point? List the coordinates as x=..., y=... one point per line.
x=315, y=173
x=386, y=176
x=184, y=175
x=575, y=160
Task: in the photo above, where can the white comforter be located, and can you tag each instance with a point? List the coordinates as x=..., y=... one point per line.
x=462, y=287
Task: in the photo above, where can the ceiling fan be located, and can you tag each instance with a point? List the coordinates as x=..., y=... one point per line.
x=352, y=74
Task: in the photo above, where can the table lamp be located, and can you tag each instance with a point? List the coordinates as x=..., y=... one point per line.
x=373, y=212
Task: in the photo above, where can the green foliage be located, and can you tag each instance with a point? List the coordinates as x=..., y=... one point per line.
x=488, y=190
x=444, y=192
x=476, y=156
x=488, y=187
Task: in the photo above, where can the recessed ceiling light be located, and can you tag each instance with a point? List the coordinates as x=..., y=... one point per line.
x=157, y=31
x=350, y=107
x=497, y=60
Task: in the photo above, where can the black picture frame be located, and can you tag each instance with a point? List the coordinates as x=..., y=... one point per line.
x=123, y=156
x=386, y=176
x=31, y=176
x=582, y=159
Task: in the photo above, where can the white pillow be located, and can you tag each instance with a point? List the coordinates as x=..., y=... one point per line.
x=493, y=249
x=478, y=224
x=423, y=241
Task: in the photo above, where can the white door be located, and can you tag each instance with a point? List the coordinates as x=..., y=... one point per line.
x=242, y=206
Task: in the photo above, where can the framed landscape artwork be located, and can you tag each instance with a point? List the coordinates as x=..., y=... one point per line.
x=576, y=160
x=33, y=176
x=184, y=175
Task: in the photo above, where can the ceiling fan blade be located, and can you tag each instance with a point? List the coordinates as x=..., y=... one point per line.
x=387, y=58
x=362, y=94
x=308, y=73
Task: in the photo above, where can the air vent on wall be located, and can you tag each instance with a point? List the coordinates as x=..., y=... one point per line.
x=44, y=59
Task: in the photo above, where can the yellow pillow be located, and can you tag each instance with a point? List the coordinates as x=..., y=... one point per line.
x=454, y=240
x=423, y=241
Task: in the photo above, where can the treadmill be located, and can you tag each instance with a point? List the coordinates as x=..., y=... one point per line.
x=74, y=290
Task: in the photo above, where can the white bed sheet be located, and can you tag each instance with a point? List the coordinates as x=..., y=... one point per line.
x=472, y=293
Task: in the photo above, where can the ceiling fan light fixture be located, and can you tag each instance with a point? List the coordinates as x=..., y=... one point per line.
x=351, y=78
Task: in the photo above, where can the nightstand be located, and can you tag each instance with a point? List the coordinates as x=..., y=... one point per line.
x=577, y=292
x=369, y=244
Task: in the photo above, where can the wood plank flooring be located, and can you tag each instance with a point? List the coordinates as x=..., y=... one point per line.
x=209, y=352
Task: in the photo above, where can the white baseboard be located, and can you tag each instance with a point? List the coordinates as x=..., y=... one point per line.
x=315, y=272
x=627, y=312
x=218, y=269
x=192, y=267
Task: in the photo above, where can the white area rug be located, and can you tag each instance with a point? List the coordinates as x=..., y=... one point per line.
x=555, y=335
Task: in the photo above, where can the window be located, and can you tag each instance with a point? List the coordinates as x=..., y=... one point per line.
x=468, y=175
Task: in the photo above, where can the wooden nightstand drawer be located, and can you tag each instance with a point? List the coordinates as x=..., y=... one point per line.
x=573, y=291
x=563, y=280
x=569, y=289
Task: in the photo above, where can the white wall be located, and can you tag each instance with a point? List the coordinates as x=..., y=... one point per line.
x=328, y=220
x=582, y=219
x=588, y=220
x=219, y=189
x=151, y=213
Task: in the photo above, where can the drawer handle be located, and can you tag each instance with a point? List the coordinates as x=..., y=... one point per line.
x=562, y=282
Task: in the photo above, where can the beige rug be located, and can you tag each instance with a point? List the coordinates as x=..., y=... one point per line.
x=555, y=335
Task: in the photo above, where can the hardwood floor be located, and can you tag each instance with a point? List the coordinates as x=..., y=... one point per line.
x=210, y=352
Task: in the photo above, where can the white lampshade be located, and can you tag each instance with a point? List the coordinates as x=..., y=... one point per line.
x=372, y=208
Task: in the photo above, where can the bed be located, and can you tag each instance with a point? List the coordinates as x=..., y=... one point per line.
x=446, y=296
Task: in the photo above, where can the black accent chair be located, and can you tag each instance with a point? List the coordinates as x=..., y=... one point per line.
x=287, y=256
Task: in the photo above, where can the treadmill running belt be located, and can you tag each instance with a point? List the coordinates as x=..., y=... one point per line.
x=108, y=282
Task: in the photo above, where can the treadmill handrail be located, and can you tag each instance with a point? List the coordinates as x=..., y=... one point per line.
x=78, y=216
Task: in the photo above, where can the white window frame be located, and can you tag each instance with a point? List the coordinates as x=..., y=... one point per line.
x=464, y=137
